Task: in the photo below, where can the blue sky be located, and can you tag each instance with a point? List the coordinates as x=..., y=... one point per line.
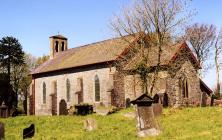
x=33, y=21
x=81, y=21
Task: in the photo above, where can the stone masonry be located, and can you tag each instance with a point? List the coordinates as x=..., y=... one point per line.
x=88, y=89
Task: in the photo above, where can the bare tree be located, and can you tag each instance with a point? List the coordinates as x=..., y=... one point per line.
x=202, y=38
x=218, y=51
x=156, y=22
x=20, y=78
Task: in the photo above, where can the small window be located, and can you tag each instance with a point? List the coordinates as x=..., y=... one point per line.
x=44, y=93
x=57, y=46
x=183, y=84
x=97, y=89
x=186, y=88
x=63, y=46
x=68, y=90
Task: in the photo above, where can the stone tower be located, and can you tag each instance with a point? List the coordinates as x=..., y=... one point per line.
x=58, y=43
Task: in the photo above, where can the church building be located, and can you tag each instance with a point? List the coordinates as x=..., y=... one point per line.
x=87, y=74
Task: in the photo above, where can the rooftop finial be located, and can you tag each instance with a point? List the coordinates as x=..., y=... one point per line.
x=58, y=32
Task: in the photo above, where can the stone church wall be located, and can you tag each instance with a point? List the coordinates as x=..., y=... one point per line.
x=194, y=92
x=115, y=88
x=133, y=85
x=88, y=89
x=167, y=84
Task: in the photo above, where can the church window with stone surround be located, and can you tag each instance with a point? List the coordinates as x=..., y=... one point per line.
x=68, y=90
x=183, y=84
x=97, y=89
x=186, y=88
x=44, y=92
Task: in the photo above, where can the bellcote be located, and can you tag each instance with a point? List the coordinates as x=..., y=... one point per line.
x=58, y=43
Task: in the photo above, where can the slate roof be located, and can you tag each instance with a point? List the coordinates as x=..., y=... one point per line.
x=169, y=55
x=205, y=88
x=104, y=51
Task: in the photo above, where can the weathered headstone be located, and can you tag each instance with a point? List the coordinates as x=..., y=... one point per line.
x=165, y=100
x=213, y=97
x=2, y=131
x=145, y=115
x=63, y=107
x=156, y=98
x=29, y=132
x=71, y=110
x=3, y=111
x=157, y=109
x=128, y=102
x=15, y=113
x=90, y=124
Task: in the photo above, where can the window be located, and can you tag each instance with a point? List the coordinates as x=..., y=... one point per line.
x=186, y=88
x=183, y=84
x=44, y=92
x=97, y=89
x=57, y=46
x=68, y=90
x=62, y=47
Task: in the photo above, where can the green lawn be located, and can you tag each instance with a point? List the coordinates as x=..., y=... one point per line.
x=189, y=123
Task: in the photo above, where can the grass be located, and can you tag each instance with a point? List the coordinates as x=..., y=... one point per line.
x=185, y=124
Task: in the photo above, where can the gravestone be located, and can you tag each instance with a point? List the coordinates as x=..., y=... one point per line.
x=71, y=110
x=90, y=124
x=145, y=116
x=165, y=100
x=63, y=107
x=213, y=97
x=157, y=109
x=128, y=102
x=29, y=132
x=2, y=131
x=3, y=111
x=156, y=98
x=15, y=113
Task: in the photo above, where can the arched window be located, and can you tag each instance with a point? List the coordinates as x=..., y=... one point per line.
x=186, y=88
x=183, y=84
x=57, y=46
x=62, y=47
x=97, y=89
x=44, y=93
x=68, y=90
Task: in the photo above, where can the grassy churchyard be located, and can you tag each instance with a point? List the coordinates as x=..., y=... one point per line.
x=188, y=123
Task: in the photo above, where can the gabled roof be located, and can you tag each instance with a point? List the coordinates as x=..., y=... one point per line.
x=107, y=51
x=184, y=46
x=168, y=56
x=99, y=52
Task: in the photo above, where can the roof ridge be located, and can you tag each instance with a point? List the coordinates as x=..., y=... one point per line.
x=87, y=45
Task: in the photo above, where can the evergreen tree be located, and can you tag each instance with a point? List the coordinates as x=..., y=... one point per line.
x=11, y=55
